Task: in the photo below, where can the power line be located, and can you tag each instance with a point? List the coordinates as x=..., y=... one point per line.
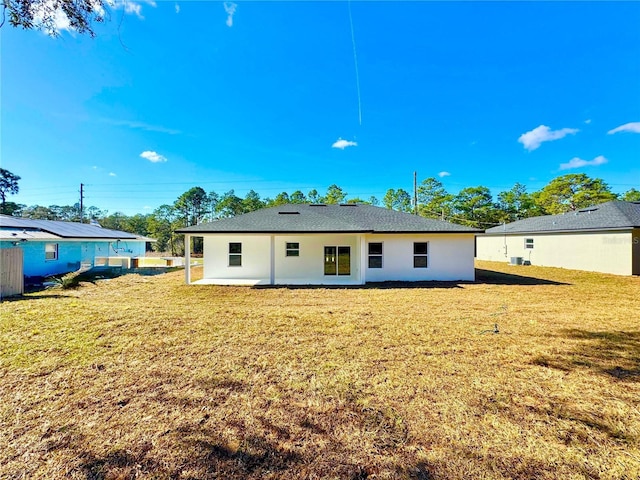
x=242, y=184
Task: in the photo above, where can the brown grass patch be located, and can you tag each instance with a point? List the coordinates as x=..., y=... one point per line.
x=147, y=377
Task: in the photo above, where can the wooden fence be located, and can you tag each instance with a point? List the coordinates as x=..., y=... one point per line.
x=11, y=272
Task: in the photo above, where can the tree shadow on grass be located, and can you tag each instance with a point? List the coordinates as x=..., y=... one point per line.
x=286, y=452
x=119, y=464
x=205, y=454
x=615, y=354
x=288, y=439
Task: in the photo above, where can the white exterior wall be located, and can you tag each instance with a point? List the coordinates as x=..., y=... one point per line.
x=606, y=252
x=308, y=268
x=256, y=259
x=450, y=258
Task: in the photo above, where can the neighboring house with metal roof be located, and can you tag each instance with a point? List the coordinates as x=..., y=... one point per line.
x=603, y=238
x=321, y=244
x=53, y=247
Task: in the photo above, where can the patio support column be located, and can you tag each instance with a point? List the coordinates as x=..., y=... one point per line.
x=187, y=259
x=363, y=260
x=272, y=270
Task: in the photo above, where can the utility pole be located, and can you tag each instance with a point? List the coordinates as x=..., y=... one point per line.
x=415, y=193
x=81, y=202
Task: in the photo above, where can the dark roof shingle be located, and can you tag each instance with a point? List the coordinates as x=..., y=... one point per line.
x=615, y=215
x=320, y=218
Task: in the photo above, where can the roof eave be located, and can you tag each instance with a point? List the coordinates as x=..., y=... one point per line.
x=312, y=232
x=564, y=230
x=269, y=232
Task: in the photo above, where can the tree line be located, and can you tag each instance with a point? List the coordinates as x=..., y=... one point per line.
x=472, y=206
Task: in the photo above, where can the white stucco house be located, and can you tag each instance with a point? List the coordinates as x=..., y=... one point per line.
x=602, y=238
x=318, y=244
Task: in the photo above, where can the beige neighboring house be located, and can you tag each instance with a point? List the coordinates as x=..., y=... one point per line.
x=603, y=238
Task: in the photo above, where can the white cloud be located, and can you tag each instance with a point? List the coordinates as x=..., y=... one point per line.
x=444, y=174
x=132, y=7
x=111, y=174
x=61, y=21
x=230, y=8
x=146, y=207
x=342, y=144
x=587, y=121
x=633, y=127
x=153, y=157
x=533, y=139
x=576, y=162
x=177, y=8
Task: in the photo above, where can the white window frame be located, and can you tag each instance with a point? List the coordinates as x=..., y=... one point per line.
x=420, y=255
x=291, y=250
x=375, y=255
x=50, y=248
x=235, y=254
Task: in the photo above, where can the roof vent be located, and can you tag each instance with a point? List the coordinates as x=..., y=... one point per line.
x=348, y=204
x=288, y=213
x=317, y=204
x=588, y=210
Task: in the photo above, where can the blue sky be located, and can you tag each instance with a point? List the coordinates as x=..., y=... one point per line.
x=170, y=95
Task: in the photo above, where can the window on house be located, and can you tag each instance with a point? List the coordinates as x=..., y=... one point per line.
x=420, y=252
x=375, y=255
x=51, y=251
x=293, y=249
x=235, y=254
x=528, y=243
x=337, y=260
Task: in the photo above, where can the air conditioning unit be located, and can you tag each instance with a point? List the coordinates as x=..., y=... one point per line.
x=516, y=261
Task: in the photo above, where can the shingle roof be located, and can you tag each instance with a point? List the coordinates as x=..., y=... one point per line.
x=320, y=218
x=67, y=229
x=615, y=215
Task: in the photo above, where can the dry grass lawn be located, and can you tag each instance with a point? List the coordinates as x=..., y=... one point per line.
x=147, y=377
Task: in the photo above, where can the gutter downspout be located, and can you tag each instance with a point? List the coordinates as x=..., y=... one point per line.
x=187, y=258
x=504, y=228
